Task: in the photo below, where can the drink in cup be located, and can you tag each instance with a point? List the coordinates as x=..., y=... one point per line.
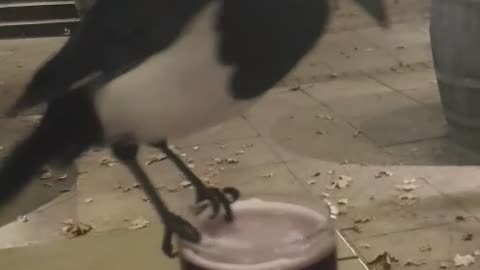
x=266, y=235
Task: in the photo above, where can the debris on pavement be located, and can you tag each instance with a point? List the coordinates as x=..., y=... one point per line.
x=467, y=237
x=465, y=260
x=316, y=174
x=342, y=182
x=343, y=201
x=426, y=248
x=107, y=162
x=407, y=197
x=365, y=246
x=73, y=229
x=444, y=265
x=239, y=152
x=185, y=184
x=196, y=148
x=460, y=218
x=476, y=253
x=324, y=117
x=325, y=195
x=62, y=177
x=138, y=224
x=383, y=261
x=88, y=200
x=408, y=185
x=226, y=160
x=156, y=158
x=414, y=263
x=311, y=182
x=362, y=220
x=331, y=172
x=268, y=175
x=23, y=218
x=46, y=174
x=382, y=174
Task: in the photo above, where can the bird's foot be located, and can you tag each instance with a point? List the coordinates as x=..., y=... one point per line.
x=181, y=228
x=216, y=198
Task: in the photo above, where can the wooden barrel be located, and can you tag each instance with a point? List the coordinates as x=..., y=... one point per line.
x=455, y=38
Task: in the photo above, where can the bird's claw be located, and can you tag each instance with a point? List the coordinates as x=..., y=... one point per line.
x=216, y=198
x=183, y=229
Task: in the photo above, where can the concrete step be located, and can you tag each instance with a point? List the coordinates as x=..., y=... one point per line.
x=35, y=11
x=42, y=28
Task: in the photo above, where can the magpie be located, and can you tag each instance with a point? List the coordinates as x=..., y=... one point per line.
x=141, y=72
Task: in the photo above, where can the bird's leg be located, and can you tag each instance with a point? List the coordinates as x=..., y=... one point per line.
x=214, y=196
x=127, y=153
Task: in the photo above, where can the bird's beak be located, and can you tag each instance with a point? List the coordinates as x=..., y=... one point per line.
x=376, y=9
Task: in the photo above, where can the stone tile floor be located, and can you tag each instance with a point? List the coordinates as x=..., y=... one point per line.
x=364, y=101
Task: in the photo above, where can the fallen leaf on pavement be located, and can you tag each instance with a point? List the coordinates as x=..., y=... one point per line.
x=138, y=224
x=460, y=218
x=382, y=174
x=343, y=201
x=365, y=246
x=311, y=182
x=467, y=237
x=383, y=261
x=239, y=152
x=426, y=248
x=414, y=263
x=185, y=184
x=466, y=260
x=107, y=162
x=407, y=197
x=23, y=219
x=155, y=159
x=317, y=174
x=74, y=229
x=362, y=220
x=444, y=265
x=268, y=175
x=46, y=174
x=342, y=182
x=88, y=200
x=406, y=187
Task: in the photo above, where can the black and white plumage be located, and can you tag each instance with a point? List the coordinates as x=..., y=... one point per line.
x=140, y=72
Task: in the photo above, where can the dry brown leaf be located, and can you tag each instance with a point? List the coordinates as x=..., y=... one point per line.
x=107, y=162
x=343, y=201
x=362, y=220
x=466, y=260
x=239, y=152
x=23, y=219
x=268, y=175
x=311, y=182
x=74, y=229
x=382, y=174
x=342, y=182
x=365, y=246
x=46, y=174
x=62, y=177
x=426, y=248
x=467, y=237
x=88, y=200
x=138, y=224
x=406, y=187
x=407, y=197
x=460, y=218
x=185, y=184
x=383, y=261
x=414, y=263
x=156, y=158
x=444, y=265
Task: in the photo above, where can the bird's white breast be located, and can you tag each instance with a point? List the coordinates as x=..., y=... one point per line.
x=177, y=91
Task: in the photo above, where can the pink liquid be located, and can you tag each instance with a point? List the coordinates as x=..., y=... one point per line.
x=264, y=236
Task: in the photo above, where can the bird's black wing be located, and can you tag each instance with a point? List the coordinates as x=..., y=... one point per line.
x=115, y=36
